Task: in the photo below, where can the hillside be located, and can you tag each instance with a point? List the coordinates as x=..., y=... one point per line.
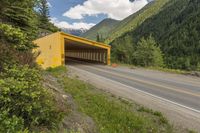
x=76, y=32
x=176, y=30
x=103, y=29
x=136, y=19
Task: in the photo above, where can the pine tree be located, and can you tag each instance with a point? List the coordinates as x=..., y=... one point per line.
x=44, y=11
x=45, y=26
x=147, y=53
x=98, y=37
x=20, y=14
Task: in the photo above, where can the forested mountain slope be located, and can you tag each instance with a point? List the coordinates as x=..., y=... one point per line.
x=103, y=29
x=176, y=29
x=136, y=19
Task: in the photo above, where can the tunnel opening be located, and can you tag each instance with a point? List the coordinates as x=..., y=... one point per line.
x=58, y=48
x=81, y=52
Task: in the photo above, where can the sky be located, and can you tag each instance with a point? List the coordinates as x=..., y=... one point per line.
x=77, y=14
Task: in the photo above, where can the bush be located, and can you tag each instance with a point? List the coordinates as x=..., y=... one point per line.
x=15, y=47
x=198, y=67
x=122, y=52
x=24, y=102
x=15, y=37
x=8, y=56
x=148, y=54
x=10, y=124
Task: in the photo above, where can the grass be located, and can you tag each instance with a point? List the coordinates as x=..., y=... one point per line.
x=57, y=70
x=111, y=114
x=175, y=71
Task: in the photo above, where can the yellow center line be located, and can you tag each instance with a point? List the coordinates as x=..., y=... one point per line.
x=146, y=82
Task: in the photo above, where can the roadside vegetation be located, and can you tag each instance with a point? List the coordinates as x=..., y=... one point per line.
x=111, y=114
x=145, y=54
x=162, y=69
x=25, y=104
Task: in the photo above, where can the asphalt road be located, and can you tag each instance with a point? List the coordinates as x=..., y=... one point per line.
x=178, y=89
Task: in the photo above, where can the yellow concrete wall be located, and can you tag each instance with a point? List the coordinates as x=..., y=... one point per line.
x=85, y=41
x=50, y=48
x=108, y=56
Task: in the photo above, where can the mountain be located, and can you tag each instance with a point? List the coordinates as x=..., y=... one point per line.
x=136, y=19
x=76, y=32
x=103, y=29
x=176, y=29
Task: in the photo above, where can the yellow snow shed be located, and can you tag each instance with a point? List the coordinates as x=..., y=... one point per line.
x=55, y=50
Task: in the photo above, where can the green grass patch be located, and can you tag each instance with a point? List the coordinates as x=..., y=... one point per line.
x=111, y=114
x=175, y=71
x=57, y=71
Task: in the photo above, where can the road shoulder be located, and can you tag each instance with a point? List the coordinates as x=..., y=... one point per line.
x=179, y=116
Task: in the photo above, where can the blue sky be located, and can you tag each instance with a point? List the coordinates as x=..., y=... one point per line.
x=78, y=14
x=58, y=7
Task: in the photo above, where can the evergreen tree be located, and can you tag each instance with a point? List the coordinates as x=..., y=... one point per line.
x=20, y=14
x=98, y=37
x=176, y=29
x=44, y=11
x=45, y=26
x=147, y=53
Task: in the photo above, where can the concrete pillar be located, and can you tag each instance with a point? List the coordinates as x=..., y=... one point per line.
x=62, y=40
x=100, y=59
x=108, y=57
x=95, y=56
x=104, y=57
x=90, y=55
x=84, y=55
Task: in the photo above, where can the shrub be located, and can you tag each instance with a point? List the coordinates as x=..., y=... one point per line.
x=147, y=53
x=10, y=56
x=122, y=52
x=10, y=124
x=24, y=101
x=15, y=47
x=15, y=37
x=198, y=66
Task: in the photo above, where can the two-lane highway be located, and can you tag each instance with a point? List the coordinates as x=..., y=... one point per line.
x=180, y=90
x=185, y=93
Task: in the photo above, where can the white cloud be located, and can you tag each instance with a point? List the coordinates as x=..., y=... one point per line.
x=76, y=25
x=116, y=9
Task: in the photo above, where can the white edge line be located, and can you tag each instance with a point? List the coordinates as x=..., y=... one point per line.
x=166, y=100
